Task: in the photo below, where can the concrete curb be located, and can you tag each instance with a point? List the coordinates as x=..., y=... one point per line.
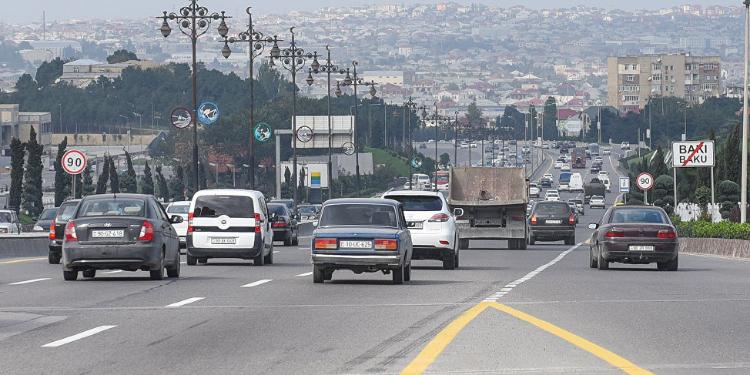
x=24, y=245
x=716, y=246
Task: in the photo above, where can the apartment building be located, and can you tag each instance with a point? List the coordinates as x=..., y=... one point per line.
x=633, y=79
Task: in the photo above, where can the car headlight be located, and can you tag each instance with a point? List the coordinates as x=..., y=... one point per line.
x=38, y=228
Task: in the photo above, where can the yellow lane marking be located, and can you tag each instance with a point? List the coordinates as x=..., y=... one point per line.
x=598, y=351
x=21, y=260
x=435, y=347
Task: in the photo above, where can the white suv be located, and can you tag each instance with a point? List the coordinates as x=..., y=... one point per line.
x=229, y=223
x=431, y=224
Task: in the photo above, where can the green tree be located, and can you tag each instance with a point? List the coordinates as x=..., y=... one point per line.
x=445, y=159
x=732, y=155
x=534, y=123
x=49, y=72
x=177, y=185
x=114, y=179
x=62, y=178
x=474, y=116
x=32, y=187
x=147, y=182
x=658, y=167
x=87, y=185
x=287, y=181
x=130, y=181
x=162, y=184
x=302, y=179
x=101, y=182
x=17, y=152
x=26, y=85
x=549, y=122
x=120, y=56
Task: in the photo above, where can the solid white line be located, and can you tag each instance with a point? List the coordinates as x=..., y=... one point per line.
x=509, y=287
x=186, y=301
x=30, y=281
x=79, y=336
x=256, y=283
x=304, y=274
x=275, y=251
x=115, y=271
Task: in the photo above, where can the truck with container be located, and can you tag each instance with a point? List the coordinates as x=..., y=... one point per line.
x=594, y=187
x=578, y=158
x=490, y=204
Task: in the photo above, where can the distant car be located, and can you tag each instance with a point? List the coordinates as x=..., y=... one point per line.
x=431, y=224
x=45, y=220
x=308, y=212
x=57, y=229
x=472, y=145
x=634, y=235
x=625, y=146
x=602, y=174
x=284, y=224
x=552, y=221
x=534, y=190
x=596, y=201
x=9, y=222
x=574, y=210
x=558, y=164
x=565, y=167
x=598, y=159
x=579, y=206
x=595, y=168
x=576, y=183
x=552, y=195
x=606, y=182
x=180, y=208
x=606, y=151
x=362, y=235
x=121, y=231
x=289, y=203
x=422, y=145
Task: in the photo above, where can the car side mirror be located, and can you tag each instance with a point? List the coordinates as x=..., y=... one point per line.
x=315, y=224
x=176, y=219
x=458, y=212
x=593, y=226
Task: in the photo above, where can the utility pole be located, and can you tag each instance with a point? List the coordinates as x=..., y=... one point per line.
x=743, y=188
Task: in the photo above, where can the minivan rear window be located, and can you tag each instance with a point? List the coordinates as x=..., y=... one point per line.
x=418, y=203
x=219, y=205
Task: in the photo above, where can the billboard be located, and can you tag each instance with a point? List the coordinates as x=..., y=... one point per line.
x=693, y=154
x=316, y=174
x=342, y=128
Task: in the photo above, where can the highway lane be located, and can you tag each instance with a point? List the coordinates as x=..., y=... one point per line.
x=691, y=321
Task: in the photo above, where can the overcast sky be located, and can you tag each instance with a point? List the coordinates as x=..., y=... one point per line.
x=23, y=11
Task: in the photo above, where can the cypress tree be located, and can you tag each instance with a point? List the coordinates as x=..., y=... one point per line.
x=147, y=182
x=162, y=183
x=101, y=182
x=130, y=179
x=176, y=184
x=62, y=178
x=32, y=187
x=732, y=155
x=16, y=173
x=87, y=186
x=114, y=179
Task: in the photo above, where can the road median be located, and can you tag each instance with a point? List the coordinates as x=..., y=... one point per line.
x=730, y=248
x=24, y=245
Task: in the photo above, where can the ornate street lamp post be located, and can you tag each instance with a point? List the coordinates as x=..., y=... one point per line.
x=410, y=106
x=256, y=45
x=194, y=21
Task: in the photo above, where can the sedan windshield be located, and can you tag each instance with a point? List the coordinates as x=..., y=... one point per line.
x=638, y=215
x=48, y=214
x=418, y=203
x=113, y=207
x=370, y=215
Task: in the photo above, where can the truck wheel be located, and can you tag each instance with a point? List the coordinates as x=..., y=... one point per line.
x=522, y=244
x=532, y=240
x=463, y=244
x=398, y=275
x=317, y=275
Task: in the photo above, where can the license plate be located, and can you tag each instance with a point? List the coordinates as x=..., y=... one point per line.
x=415, y=224
x=223, y=241
x=356, y=244
x=640, y=248
x=108, y=233
x=553, y=221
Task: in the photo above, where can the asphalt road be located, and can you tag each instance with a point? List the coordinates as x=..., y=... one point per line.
x=541, y=310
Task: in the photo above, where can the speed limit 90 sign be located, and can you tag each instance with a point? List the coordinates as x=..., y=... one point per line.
x=645, y=181
x=73, y=162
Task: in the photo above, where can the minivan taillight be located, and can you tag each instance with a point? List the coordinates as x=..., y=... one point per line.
x=147, y=231
x=70, y=232
x=52, y=234
x=666, y=234
x=257, y=223
x=439, y=218
x=325, y=244
x=190, y=223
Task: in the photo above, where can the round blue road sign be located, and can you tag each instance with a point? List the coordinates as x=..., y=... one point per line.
x=208, y=113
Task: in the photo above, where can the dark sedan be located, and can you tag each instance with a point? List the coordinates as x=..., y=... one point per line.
x=284, y=224
x=124, y=231
x=634, y=235
x=552, y=221
x=45, y=219
x=362, y=235
x=57, y=229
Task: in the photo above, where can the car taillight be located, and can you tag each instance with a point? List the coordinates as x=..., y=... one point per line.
x=571, y=219
x=439, y=218
x=190, y=223
x=52, y=234
x=147, y=231
x=70, y=232
x=325, y=244
x=386, y=245
x=257, y=223
x=666, y=234
x=533, y=219
x=614, y=234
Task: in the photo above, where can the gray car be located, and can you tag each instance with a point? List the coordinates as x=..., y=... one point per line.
x=124, y=231
x=362, y=235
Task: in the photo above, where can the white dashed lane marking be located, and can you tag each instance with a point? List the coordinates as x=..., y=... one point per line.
x=82, y=335
x=30, y=281
x=304, y=274
x=256, y=283
x=186, y=302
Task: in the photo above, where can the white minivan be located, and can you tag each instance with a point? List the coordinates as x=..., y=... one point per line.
x=576, y=183
x=180, y=208
x=229, y=223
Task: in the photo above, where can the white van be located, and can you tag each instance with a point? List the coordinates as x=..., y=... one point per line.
x=229, y=223
x=576, y=183
x=421, y=181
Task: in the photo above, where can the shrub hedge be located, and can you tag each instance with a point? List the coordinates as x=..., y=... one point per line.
x=705, y=229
